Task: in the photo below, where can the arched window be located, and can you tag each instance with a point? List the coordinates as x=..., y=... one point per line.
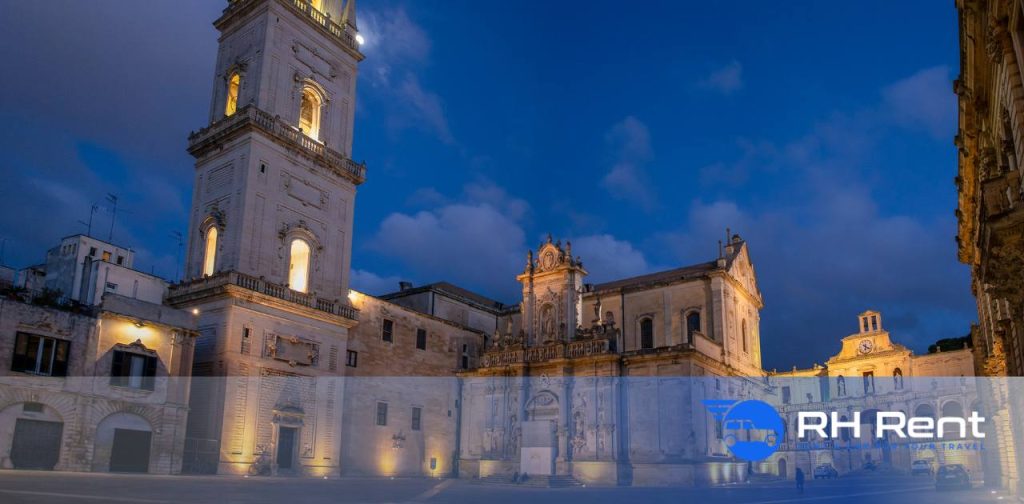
x=309, y=113
x=897, y=378
x=231, y=105
x=743, y=331
x=210, y=253
x=692, y=325
x=647, y=333
x=298, y=267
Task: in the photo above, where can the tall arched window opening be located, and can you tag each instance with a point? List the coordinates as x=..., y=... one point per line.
x=298, y=267
x=647, y=333
x=231, y=105
x=210, y=253
x=309, y=113
x=743, y=331
x=897, y=378
x=692, y=325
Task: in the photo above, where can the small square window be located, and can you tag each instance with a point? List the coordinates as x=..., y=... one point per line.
x=92, y=251
x=351, y=358
x=120, y=260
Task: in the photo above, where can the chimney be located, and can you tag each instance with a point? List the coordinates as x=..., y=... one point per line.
x=404, y=286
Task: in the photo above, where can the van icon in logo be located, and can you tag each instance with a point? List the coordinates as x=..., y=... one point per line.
x=752, y=430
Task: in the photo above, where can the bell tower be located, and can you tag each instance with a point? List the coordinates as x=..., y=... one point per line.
x=275, y=184
x=270, y=236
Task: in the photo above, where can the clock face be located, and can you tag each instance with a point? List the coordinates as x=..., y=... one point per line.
x=865, y=346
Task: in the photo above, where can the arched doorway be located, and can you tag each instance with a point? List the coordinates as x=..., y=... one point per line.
x=30, y=436
x=122, y=444
x=782, y=468
x=539, y=445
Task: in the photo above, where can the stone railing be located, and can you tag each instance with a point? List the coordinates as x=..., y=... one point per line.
x=250, y=116
x=572, y=350
x=334, y=307
x=341, y=33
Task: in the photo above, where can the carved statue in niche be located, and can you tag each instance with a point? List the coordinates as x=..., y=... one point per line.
x=579, y=437
x=547, y=323
x=513, y=434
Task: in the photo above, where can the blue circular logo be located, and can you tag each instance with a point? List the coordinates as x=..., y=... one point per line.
x=752, y=430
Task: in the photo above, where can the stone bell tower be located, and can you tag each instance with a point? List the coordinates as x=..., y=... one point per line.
x=270, y=237
x=552, y=285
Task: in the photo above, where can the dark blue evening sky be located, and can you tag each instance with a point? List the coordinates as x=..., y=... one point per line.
x=819, y=131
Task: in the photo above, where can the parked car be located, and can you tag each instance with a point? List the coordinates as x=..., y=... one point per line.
x=825, y=471
x=952, y=476
x=921, y=467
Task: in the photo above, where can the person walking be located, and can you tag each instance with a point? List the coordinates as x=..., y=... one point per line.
x=800, y=480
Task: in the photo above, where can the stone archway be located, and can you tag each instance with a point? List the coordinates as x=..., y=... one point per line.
x=122, y=443
x=31, y=436
x=782, y=468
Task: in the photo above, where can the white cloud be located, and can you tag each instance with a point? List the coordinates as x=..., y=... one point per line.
x=630, y=143
x=476, y=240
x=607, y=258
x=924, y=100
x=726, y=79
x=371, y=283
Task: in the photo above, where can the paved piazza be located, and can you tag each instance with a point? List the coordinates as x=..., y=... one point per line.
x=42, y=488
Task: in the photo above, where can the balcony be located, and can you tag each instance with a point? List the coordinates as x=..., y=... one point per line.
x=250, y=117
x=258, y=285
x=342, y=34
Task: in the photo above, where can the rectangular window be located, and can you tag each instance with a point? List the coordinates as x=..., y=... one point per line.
x=351, y=358
x=786, y=398
x=246, y=342
x=416, y=414
x=40, y=355
x=106, y=256
x=382, y=413
x=120, y=260
x=133, y=370
x=387, y=330
x=421, y=339
x=92, y=251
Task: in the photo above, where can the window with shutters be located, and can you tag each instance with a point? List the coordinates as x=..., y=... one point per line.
x=133, y=370
x=40, y=355
x=351, y=358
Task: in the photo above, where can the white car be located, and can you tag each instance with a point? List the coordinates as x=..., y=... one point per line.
x=921, y=467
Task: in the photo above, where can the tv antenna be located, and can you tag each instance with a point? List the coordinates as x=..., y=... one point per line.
x=88, y=225
x=112, y=198
x=180, y=239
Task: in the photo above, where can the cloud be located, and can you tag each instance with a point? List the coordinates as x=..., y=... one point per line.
x=630, y=144
x=726, y=80
x=923, y=100
x=397, y=46
x=607, y=258
x=475, y=240
x=833, y=248
x=370, y=283
x=425, y=108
